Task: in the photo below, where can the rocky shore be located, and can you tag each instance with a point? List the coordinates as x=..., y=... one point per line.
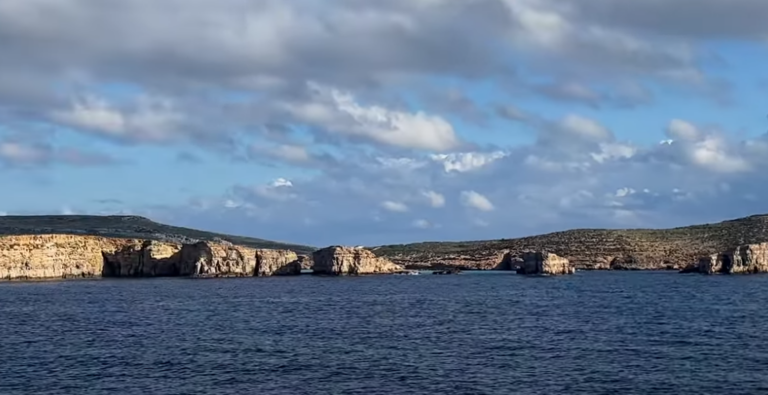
x=37, y=257
x=588, y=249
x=338, y=260
x=70, y=256
x=544, y=263
x=744, y=259
x=93, y=246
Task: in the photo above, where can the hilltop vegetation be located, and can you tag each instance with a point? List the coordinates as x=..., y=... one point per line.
x=127, y=227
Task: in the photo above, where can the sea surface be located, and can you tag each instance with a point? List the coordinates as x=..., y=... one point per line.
x=489, y=333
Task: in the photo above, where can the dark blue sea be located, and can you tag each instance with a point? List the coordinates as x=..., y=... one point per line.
x=490, y=333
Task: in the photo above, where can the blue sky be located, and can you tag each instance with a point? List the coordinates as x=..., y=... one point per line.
x=368, y=122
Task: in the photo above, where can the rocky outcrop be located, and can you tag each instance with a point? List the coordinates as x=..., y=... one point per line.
x=277, y=263
x=544, y=263
x=744, y=259
x=338, y=260
x=67, y=256
x=590, y=249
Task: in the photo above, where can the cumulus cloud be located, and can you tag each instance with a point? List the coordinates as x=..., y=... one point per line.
x=476, y=201
x=456, y=98
x=339, y=112
x=396, y=207
x=152, y=119
x=35, y=154
x=435, y=199
x=466, y=161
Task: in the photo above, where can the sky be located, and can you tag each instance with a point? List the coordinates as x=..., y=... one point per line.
x=375, y=122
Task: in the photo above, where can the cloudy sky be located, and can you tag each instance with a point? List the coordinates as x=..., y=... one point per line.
x=373, y=122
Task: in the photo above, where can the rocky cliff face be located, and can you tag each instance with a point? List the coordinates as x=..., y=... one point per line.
x=67, y=256
x=339, y=260
x=745, y=259
x=544, y=263
x=590, y=249
x=277, y=263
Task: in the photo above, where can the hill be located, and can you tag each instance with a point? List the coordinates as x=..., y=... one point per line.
x=592, y=248
x=127, y=227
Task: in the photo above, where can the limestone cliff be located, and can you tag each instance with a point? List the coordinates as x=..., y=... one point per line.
x=67, y=256
x=338, y=260
x=544, y=263
x=748, y=258
x=614, y=249
x=277, y=263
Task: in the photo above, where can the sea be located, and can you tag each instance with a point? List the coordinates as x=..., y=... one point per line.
x=472, y=333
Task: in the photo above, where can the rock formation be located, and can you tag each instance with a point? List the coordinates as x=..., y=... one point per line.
x=744, y=259
x=277, y=263
x=338, y=260
x=589, y=249
x=544, y=263
x=67, y=256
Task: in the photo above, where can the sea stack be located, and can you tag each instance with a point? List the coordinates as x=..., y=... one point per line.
x=341, y=261
x=544, y=263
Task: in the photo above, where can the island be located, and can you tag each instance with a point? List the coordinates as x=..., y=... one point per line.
x=76, y=246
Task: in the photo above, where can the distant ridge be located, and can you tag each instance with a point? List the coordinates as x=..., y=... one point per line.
x=127, y=226
x=670, y=248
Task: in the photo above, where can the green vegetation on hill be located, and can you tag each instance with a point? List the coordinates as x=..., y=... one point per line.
x=127, y=227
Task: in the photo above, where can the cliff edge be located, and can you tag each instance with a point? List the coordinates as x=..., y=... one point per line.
x=67, y=246
x=30, y=257
x=586, y=249
x=340, y=261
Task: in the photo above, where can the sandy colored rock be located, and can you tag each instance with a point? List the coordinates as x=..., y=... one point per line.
x=544, y=263
x=338, y=260
x=626, y=249
x=744, y=259
x=142, y=259
x=67, y=256
x=277, y=263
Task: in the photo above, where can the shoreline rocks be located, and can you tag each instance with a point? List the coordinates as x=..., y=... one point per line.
x=343, y=261
x=744, y=259
x=33, y=257
x=544, y=263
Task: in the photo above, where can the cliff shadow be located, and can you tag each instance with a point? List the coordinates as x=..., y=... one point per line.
x=509, y=262
x=145, y=260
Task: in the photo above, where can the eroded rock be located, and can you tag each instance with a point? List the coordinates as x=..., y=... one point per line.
x=277, y=263
x=744, y=259
x=65, y=256
x=544, y=263
x=338, y=260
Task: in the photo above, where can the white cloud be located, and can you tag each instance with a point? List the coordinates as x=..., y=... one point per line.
x=435, y=199
x=152, y=119
x=394, y=206
x=682, y=130
x=585, y=129
x=21, y=153
x=713, y=154
x=477, y=201
x=339, y=112
x=230, y=77
x=421, y=224
x=280, y=190
x=623, y=192
x=467, y=161
x=281, y=182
